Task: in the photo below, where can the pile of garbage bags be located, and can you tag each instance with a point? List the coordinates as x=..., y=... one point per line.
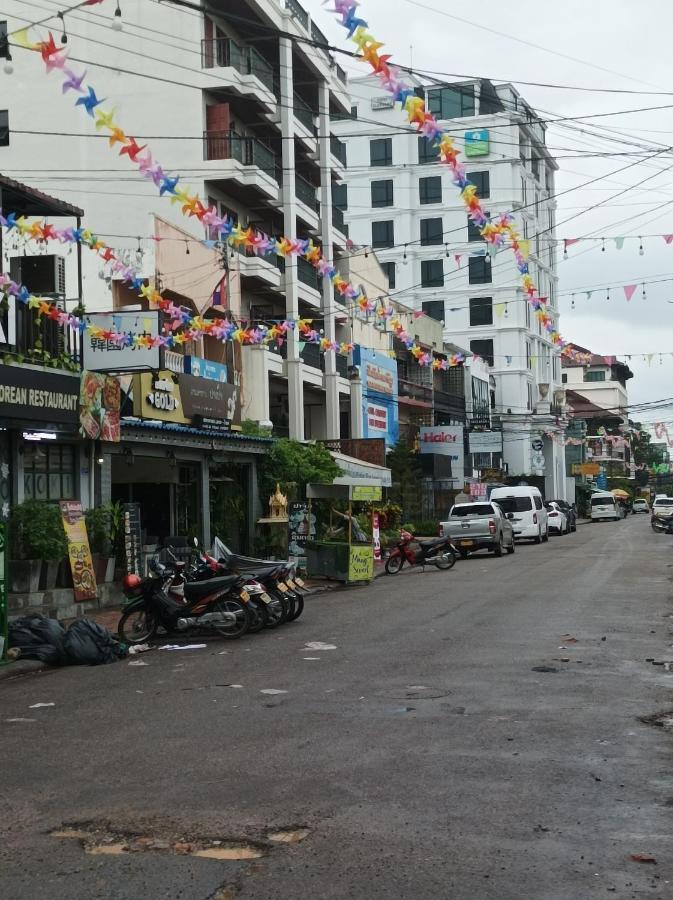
x=84, y=643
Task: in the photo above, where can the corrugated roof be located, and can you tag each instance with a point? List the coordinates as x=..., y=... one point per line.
x=28, y=201
x=175, y=428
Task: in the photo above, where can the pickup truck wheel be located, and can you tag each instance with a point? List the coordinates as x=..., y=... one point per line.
x=511, y=549
x=498, y=548
x=538, y=539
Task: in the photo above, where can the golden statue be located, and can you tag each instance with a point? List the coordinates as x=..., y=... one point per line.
x=277, y=505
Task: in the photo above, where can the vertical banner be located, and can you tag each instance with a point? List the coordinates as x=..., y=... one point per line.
x=132, y=538
x=4, y=610
x=79, y=553
x=301, y=529
x=376, y=535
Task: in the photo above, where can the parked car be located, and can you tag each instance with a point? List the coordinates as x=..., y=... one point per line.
x=571, y=513
x=662, y=504
x=640, y=505
x=528, y=515
x=605, y=506
x=558, y=521
x=479, y=526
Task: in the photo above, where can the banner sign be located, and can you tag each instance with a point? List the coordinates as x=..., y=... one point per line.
x=81, y=564
x=485, y=441
x=132, y=538
x=212, y=399
x=101, y=355
x=445, y=440
x=477, y=143
x=41, y=397
x=360, y=563
x=366, y=492
x=301, y=529
x=204, y=368
x=586, y=469
x=99, y=403
x=378, y=373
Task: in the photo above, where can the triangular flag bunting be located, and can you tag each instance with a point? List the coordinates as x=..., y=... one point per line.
x=619, y=242
x=499, y=309
x=668, y=238
x=629, y=290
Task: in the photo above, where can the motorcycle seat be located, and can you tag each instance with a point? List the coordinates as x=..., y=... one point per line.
x=195, y=590
x=435, y=542
x=253, y=567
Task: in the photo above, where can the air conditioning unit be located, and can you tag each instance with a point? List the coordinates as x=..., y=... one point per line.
x=42, y=275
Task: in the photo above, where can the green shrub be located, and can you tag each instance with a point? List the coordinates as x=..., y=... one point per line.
x=36, y=531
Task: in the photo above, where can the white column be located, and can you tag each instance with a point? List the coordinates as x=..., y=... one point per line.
x=357, y=412
x=294, y=365
x=332, y=419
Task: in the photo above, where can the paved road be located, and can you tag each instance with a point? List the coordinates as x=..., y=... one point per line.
x=424, y=757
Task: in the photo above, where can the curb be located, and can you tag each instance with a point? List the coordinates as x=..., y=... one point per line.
x=22, y=667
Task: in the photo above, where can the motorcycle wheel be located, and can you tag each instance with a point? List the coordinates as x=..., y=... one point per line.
x=258, y=616
x=446, y=560
x=277, y=611
x=242, y=618
x=297, y=606
x=394, y=564
x=136, y=626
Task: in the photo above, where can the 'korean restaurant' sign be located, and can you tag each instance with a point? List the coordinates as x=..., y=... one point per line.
x=39, y=396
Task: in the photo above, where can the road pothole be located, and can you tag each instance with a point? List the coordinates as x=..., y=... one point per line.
x=292, y=836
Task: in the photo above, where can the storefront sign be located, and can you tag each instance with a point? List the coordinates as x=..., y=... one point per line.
x=205, y=368
x=378, y=373
x=586, y=469
x=355, y=472
x=156, y=395
x=366, y=492
x=445, y=440
x=100, y=355
x=81, y=564
x=132, y=538
x=485, y=441
x=99, y=402
x=212, y=399
x=478, y=490
x=301, y=529
x=40, y=397
x=477, y=143
x=360, y=563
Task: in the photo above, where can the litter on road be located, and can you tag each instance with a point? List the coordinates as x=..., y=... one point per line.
x=272, y=691
x=40, y=705
x=318, y=645
x=183, y=647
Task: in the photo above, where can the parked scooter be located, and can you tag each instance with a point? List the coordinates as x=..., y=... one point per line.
x=440, y=552
x=662, y=524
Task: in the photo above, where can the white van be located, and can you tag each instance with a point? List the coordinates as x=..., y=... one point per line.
x=524, y=507
x=604, y=506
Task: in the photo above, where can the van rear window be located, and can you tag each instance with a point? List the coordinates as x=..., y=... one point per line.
x=514, y=504
x=602, y=501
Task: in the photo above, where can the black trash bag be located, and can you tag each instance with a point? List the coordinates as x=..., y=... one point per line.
x=38, y=638
x=86, y=643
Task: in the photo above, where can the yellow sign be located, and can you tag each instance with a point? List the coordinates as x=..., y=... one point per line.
x=361, y=563
x=79, y=553
x=156, y=395
x=366, y=492
x=586, y=469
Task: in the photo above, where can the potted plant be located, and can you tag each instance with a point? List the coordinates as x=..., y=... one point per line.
x=38, y=544
x=103, y=526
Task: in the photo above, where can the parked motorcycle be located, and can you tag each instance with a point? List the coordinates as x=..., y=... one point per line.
x=662, y=524
x=218, y=604
x=439, y=552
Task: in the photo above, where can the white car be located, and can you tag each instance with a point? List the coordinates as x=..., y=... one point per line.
x=662, y=504
x=558, y=521
x=524, y=508
x=640, y=506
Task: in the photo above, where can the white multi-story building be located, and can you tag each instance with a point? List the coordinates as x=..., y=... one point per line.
x=401, y=202
x=239, y=102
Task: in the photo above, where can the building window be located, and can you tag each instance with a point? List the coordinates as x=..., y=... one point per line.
x=431, y=232
x=389, y=271
x=564, y=378
x=4, y=45
x=354, y=112
x=483, y=349
x=482, y=181
x=529, y=355
x=340, y=196
x=430, y=189
x=4, y=128
x=381, y=152
x=426, y=152
x=535, y=165
x=383, y=234
x=432, y=273
x=480, y=270
x=452, y=102
x=530, y=396
x=434, y=309
x=594, y=376
x=48, y=471
x=474, y=230
x=481, y=311
x=382, y=193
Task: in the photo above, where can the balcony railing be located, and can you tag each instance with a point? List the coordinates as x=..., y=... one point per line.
x=304, y=112
x=341, y=75
x=421, y=393
x=318, y=36
x=449, y=403
x=310, y=354
x=223, y=52
x=297, y=11
x=338, y=148
x=338, y=221
x=305, y=191
x=307, y=274
x=246, y=150
x=42, y=341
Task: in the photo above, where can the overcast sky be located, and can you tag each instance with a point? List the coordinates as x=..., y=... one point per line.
x=615, y=44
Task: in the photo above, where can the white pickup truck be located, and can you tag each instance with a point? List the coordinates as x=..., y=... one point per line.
x=479, y=526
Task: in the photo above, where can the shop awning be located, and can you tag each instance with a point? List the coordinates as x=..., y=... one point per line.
x=355, y=472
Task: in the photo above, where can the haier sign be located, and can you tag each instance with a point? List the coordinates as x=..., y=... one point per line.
x=378, y=374
x=445, y=440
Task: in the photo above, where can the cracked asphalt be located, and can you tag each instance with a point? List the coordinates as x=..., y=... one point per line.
x=474, y=734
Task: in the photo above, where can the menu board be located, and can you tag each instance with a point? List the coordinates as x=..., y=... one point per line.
x=301, y=528
x=79, y=553
x=132, y=538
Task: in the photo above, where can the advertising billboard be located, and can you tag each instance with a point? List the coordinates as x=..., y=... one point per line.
x=378, y=373
x=445, y=440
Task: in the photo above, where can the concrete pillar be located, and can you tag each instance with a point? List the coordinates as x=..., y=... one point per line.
x=294, y=365
x=357, y=414
x=332, y=421
x=255, y=401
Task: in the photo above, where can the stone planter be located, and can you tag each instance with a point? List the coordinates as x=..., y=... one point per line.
x=48, y=578
x=24, y=575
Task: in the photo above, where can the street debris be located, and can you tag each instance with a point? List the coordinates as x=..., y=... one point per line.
x=311, y=657
x=643, y=858
x=138, y=662
x=272, y=691
x=40, y=705
x=20, y=719
x=183, y=647
x=139, y=648
x=544, y=669
x=318, y=645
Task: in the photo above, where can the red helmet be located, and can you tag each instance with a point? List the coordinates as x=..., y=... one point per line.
x=130, y=583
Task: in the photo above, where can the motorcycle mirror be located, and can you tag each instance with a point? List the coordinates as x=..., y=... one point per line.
x=196, y=542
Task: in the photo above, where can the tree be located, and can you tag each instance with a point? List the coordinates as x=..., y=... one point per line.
x=644, y=454
x=407, y=477
x=293, y=465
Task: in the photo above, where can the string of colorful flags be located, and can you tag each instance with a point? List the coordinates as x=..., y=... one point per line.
x=617, y=241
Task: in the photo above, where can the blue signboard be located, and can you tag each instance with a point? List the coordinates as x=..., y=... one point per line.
x=602, y=481
x=477, y=143
x=378, y=373
x=204, y=368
